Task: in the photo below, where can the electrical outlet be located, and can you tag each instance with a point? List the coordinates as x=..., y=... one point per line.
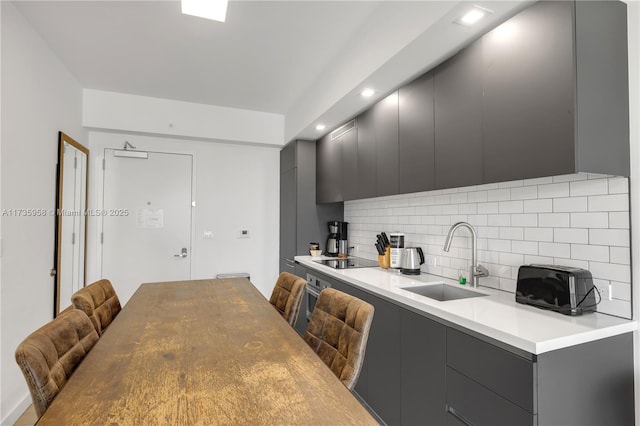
x=208, y=235
x=244, y=233
x=605, y=292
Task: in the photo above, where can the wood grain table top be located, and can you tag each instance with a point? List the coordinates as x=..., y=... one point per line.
x=200, y=353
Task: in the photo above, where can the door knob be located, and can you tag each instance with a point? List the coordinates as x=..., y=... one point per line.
x=182, y=254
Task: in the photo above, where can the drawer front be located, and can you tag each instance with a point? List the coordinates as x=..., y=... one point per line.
x=505, y=373
x=472, y=404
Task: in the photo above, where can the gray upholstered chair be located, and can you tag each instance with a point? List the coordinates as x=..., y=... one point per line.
x=338, y=333
x=286, y=296
x=49, y=355
x=99, y=301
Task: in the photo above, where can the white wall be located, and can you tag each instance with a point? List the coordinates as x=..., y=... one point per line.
x=127, y=113
x=39, y=98
x=236, y=187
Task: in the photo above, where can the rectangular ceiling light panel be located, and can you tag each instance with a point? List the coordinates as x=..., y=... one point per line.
x=209, y=9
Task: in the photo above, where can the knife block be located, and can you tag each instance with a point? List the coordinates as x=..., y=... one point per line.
x=384, y=260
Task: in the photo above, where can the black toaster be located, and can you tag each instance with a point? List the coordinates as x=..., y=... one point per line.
x=563, y=289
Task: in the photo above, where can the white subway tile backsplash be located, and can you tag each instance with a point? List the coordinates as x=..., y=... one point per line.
x=511, y=207
x=618, y=220
x=609, y=203
x=577, y=220
x=554, y=249
x=524, y=193
x=488, y=208
x=588, y=187
x=573, y=204
x=587, y=252
x=511, y=233
x=554, y=190
x=610, y=271
x=570, y=235
x=621, y=255
x=618, y=185
x=538, y=206
x=524, y=220
x=609, y=237
x=590, y=220
x=524, y=247
x=499, y=195
x=538, y=234
x=499, y=220
x=554, y=220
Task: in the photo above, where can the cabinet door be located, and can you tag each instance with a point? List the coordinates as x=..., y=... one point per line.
x=288, y=157
x=329, y=170
x=385, y=115
x=423, y=367
x=528, y=66
x=383, y=361
x=288, y=214
x=350, y=165
x=416, y=137
x=367, y=159
x=458, y=119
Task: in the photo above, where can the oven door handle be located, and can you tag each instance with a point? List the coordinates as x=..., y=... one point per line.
x=312, y=291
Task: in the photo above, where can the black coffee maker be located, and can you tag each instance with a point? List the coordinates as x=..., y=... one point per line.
x=333, y=240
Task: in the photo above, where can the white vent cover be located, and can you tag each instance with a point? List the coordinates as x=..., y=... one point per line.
x=343, y=129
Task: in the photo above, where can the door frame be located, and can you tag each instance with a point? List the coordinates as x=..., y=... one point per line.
x=100, y=165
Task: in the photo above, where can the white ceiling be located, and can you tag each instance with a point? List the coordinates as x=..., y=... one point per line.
x=301, y=59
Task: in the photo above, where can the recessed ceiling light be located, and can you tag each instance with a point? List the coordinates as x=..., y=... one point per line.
x=209, y=9
x=367, y=93
x=320, y=127
x=472, y=16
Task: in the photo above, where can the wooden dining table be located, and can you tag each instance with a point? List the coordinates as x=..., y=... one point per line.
x=202, y=352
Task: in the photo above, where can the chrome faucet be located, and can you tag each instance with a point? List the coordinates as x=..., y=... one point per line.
x=476, y=271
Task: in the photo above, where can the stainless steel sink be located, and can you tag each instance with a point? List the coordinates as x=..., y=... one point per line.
x=443, y=292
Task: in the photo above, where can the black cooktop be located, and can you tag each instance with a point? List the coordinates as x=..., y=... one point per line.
x=350, y=262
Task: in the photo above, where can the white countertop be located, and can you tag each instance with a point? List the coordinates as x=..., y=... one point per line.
x=497, y=315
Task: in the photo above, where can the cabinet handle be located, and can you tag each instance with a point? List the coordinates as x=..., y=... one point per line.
x=290, y=264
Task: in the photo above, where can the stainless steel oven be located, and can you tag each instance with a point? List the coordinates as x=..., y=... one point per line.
x=314, y=286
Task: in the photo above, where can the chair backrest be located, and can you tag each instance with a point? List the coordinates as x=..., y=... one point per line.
x=286, y=296
x=99, y=301
x=49, y=355
x=338, y=333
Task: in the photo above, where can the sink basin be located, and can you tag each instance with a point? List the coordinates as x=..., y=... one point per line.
x=443, y=292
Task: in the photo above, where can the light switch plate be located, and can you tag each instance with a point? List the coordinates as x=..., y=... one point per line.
x=244, y=233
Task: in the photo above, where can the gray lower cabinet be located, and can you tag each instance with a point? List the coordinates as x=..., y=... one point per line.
x=420, y=370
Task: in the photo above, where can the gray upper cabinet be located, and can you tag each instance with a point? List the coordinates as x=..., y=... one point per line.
x=556, y=92
x=543, y=94
x=458, y=119
x=416, y=135
x=367, y=157
x=329, y=171
x=301, y=220
x=385, y=115
x=349, y=142
x=528, y=110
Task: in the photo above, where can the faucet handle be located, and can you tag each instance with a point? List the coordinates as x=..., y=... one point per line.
x=480, y=271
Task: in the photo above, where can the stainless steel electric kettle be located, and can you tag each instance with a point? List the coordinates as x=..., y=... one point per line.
x=412, y=258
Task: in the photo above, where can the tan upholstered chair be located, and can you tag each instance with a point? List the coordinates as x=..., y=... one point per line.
x=99, y=301
x=49, y=355
x=338, y=333
x=286, y=296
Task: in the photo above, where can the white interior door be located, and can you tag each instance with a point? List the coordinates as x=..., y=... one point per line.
x=146, y=226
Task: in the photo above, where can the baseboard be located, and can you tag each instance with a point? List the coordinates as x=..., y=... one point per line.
x=15, y=414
